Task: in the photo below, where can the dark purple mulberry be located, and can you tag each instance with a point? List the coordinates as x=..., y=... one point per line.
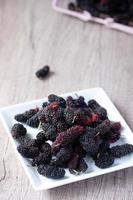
x=44, y=104
x=114, y=133
x=24, y=139
x=88, y=141
x=34, y=121
x=80, y=102
x=20, y=118
x=41, y=138
x=69, y=115
x=28, y=151
x=64, y=154
x=103, y=148
x=79, y=149
x=26, y=115
x=116, y=126
x=60, y=100
x=18, y=130
x=104, y=160
x=77, y=165
x=43, y=72
x=46, y=148
x=51, y=133
x=71, y=6
x=51, y=171
x=103, y=128
x=61, y=126
x=96, y=108
x=121, y=150
x=58, y=163
x=45, y=126
x=42, y=158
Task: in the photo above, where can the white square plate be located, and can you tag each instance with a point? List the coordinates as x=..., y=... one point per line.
x=40, y=182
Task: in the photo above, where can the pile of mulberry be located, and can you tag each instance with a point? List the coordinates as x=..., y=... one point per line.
x=69, y=131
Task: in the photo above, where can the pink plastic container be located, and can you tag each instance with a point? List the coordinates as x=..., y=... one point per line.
x=61, y=6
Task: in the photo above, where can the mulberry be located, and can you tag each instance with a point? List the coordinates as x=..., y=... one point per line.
x=64, y=154
x=69, y=115
x=69, y=102
x=34, y=121
x=51, y=171
x=79, y=149
x=42, y=158
x=51, y=133
x=103, y=128
x=77, y=165
x=93, y=104
x=116, y=126
x=27, y=151
x=61, y=126
x=18, y=130
x=103, y=148
x=71, y=6
x=24, y=139
x=26, y=115
x=46, y=126
x=112, y=136
x=46, y=148
x=114, y=133
x=80, y=102
x=88, y=141
x=59, y=163
x=98, y=109
x=121, y=150
x=60, y=100
x=67, y=137
x=45, y=104
x=104, y=160
x=41, y=138
x=20, y=118
x=43, y=72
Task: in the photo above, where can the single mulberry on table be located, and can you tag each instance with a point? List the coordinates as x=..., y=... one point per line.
x=43, y=72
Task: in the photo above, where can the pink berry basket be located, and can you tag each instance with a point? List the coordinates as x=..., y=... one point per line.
x=61, y=6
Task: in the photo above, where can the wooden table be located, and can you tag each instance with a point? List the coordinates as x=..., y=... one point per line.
x=81, y=55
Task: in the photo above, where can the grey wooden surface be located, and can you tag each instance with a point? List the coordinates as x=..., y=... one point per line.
x=81, y=55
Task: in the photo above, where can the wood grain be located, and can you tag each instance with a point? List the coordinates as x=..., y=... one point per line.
x=81, y=55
